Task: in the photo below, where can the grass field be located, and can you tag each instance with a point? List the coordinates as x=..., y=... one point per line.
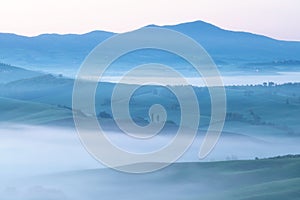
x=232, y=180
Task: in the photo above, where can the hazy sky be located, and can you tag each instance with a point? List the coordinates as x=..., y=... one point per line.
x=275, y=18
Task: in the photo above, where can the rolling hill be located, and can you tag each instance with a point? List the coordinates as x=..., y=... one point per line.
x=10, y=73
x=234, y=180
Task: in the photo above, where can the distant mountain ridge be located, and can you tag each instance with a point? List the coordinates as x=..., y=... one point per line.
x=65, y=53
x=49, y=50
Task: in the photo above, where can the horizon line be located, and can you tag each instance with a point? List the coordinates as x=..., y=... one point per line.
x=161, y=26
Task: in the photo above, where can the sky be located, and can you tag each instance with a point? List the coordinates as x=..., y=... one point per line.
x=274, y=18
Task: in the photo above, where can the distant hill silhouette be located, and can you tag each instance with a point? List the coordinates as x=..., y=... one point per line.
x=66, y=52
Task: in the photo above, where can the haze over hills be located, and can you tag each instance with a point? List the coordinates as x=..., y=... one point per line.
x=39, y=136
x=64, y=53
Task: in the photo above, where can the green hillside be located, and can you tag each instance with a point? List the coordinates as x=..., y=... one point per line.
x=232, y=180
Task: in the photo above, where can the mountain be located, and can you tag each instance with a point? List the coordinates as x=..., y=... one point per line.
x=50, y=51
x=64, y=53
x=238, y=46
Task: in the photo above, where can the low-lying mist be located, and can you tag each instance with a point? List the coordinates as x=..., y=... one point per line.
x=39, y=162
x=33, y=150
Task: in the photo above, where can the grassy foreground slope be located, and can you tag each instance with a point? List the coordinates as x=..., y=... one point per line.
x=252, y=179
